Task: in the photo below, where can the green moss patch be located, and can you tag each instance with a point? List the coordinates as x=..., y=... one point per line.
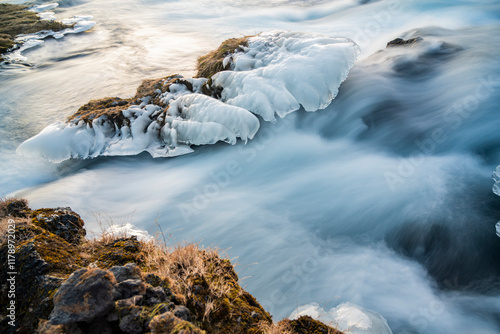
x=118, y=253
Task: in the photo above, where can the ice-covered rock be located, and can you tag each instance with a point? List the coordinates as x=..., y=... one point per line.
x=27, y=41
x=280, y=71
x=275, y=73
x=191, y=119
x=347, y=317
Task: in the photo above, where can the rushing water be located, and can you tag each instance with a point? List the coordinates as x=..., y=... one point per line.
x=383, y=199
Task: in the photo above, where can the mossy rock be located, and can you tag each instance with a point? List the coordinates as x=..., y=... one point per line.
x=169, y=323
x=42, y=263
x=63, y=222
x=403, y=42
x=307, y=325
x=118, y=253
x=236, y=311
x=48, y=253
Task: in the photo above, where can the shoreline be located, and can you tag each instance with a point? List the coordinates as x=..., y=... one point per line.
x=66, y=283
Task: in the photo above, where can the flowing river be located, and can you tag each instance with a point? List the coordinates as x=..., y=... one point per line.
x=382, y=199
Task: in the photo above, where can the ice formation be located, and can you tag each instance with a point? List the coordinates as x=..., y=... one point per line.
x=127, y=230
x=496, y=191
x=191, y=119
x=44, y=7
x=496, y=178
x=347, y=317
x=80, y=24
x=277, y=73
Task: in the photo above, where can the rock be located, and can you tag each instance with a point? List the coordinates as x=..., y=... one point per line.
x=402, y=42
x=41, y=262
x=155, y=295
x=98, y=326
x=132, y=322
x=169, y=323
x=61, y=221
x=128, y=271
x=86, y=295
x=118, y=253
x=132, y=301
x=47, y=328
x=182, y=312
x=306, y=325
x=130, y=287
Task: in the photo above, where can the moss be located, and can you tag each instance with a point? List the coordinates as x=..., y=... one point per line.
x=307, y=325
x=16, y=20
x=118, y=253
x=212, y=62
x=217, y=301
x=185, y=327
x=59, y=256
x=61, y=221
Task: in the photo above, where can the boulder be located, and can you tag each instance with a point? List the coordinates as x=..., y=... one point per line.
x=63, y=222
x=128, y=271
x=86, y=295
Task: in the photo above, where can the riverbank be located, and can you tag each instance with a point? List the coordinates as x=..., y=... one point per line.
x=62, y=282
x=16, y=20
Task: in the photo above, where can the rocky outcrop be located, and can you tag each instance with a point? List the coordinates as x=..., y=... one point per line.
x=403, y=42
x=68, y=284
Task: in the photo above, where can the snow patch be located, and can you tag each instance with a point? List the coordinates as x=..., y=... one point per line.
x=347, y=317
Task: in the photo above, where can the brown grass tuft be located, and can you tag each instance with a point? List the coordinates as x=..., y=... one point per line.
x=211, y=63
x=281, y=327
x=16, y=20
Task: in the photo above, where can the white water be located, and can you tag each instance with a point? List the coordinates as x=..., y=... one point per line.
x=383, y=199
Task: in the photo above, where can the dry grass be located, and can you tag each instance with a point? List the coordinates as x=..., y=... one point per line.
x=281, y=327
x=110, y=106
x=183, y=262
x=9, y=206
x=212, y=62
x=16, y=20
